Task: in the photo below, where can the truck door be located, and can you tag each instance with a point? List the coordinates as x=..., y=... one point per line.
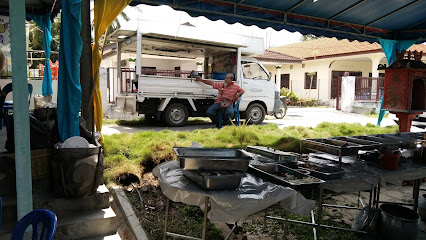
x=257, y=85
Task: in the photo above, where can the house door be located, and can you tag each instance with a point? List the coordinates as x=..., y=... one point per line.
x=285, y=81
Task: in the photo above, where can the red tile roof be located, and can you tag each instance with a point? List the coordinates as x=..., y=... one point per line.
x=270, y=55
x=329, y=47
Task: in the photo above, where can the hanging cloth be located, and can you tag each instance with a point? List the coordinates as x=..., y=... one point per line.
x=390, y=47
x=44, y=22
x=106, y=11
x=69, y=89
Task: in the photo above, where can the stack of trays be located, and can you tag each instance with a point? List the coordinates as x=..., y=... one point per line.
x=213, y=168
x=272, y=155
x=285, y=176
x=320, y=171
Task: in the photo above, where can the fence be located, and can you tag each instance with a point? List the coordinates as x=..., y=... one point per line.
x=127, y=85
x=369, y=88
x=366, y=88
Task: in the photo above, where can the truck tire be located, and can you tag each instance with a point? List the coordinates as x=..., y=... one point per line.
x=255, y=113
x=176, y=115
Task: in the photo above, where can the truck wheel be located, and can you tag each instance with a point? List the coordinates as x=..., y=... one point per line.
x=176, y=115
x=281, y=113
x=255, y=113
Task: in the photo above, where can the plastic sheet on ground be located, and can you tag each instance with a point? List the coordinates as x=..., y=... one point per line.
x=229, y=206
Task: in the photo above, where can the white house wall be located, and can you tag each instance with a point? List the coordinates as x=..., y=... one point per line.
x=324, y=74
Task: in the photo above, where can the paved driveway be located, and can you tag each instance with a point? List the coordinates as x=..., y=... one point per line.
x=296, y=116
x=311, y=117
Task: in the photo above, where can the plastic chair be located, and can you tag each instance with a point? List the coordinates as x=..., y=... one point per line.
x=7, y=89
x=236, y=114
x=34, y=218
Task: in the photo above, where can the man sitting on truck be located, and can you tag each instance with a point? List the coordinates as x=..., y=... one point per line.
x=227, y=89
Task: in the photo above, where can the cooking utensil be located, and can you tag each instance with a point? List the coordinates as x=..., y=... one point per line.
x=214, y=180
x=273, y=154
x=285, y=176
x=212, y=159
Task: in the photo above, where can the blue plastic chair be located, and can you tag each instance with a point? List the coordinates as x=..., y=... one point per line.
x=34, y=218
x=236, y=108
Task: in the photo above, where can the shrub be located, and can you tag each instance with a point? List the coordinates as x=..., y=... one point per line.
x=289, y=94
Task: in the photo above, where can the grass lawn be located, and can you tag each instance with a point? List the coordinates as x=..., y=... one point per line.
x=140, y=152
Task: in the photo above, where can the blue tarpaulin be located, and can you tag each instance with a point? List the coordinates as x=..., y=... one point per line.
x=44, y=22
x=390, y=47
x=69, y=89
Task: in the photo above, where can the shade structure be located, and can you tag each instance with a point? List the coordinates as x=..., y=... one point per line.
x=363, y=20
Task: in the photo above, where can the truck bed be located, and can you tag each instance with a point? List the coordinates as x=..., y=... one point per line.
x=165, y=86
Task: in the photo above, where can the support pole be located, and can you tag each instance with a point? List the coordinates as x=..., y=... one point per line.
x=24, y=196
x=139, y=50
x=86, y=81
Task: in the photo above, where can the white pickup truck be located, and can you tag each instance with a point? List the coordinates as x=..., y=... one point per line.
x=174, y=99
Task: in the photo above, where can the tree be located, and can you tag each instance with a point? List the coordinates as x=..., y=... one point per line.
x=36, y=39
x=311, y=75
x=308, y=37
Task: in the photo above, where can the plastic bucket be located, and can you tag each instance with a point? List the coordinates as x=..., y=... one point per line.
x=398, y=222
x=390, y=160
x=218, y=75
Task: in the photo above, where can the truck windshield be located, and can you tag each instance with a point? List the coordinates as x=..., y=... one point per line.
x=254, y=71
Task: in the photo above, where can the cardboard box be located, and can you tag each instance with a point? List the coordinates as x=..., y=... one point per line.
x=40, y=163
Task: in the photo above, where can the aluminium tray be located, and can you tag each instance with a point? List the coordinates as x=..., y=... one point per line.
x=320, y=171
x=212, y=159
x=272, y=172
x=214, y=180
x=275, y=155
x=339, y=146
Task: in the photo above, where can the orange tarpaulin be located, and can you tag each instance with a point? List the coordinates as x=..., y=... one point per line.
x=105, y=13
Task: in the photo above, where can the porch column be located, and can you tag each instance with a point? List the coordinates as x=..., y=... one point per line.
x=21, y=121
x=375, y=60
x=278, y=76
x=118, y=83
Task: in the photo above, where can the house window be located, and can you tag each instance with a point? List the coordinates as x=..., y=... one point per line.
x=308, y=83
x=291, y=66
x=303, y=65
x=285, y=80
